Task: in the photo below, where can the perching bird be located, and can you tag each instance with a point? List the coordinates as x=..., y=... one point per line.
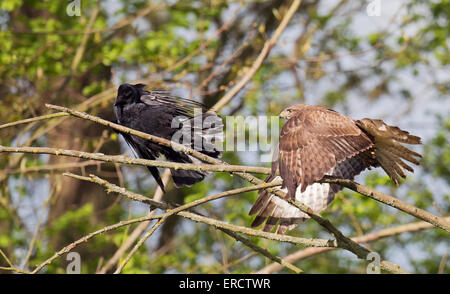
x=160, y=114
x=315, y=142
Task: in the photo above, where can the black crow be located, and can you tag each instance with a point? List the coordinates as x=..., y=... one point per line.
x=181, y=120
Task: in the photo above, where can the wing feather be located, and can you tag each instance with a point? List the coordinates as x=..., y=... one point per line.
x=323, y=138
x=182, y=106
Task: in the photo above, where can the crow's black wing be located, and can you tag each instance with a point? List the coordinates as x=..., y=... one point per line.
x=192, y=120
x=163, y=115
x=181, y=106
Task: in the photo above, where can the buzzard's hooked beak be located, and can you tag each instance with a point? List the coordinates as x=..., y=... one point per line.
x=283, y=114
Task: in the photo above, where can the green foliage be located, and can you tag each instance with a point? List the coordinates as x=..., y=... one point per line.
x=437, y=153
x=76, y=220
x=39, y=44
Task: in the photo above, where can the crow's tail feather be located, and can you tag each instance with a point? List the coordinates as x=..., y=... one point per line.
x=155, y=173
x=146, y=154
x=185, y=177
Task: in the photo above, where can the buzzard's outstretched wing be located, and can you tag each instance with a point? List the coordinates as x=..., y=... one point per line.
x=313, y=141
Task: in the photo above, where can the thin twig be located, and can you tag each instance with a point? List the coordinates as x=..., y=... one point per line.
x=304, y=253
x=268, y=45
x=281, y=261
x=33, y=119
x=139, y=244
x=51, y=167
x=157, y=196
x=391, y=201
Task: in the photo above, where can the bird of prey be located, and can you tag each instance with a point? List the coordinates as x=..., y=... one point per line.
x=160, y=114
x=315, y=142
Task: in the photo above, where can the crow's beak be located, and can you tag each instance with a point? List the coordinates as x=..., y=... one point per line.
x=119, y=101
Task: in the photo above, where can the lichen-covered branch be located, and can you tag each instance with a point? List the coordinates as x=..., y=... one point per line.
x=136, y=161
x=370, y=237
x=435, y=220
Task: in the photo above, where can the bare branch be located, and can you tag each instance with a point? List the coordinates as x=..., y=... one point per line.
x=304, y=253
x=157, y=196
x=141, y=241
x=219, y=224
x=391, y=201
x=135, y=161
x=180, y=211
x=33, y=119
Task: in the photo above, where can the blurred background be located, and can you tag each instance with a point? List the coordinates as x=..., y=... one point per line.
x=379, y=59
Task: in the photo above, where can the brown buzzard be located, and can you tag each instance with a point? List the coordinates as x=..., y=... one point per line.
x=316, y=141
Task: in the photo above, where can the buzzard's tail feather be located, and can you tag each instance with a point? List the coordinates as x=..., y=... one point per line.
x=389, y=163
x=262, y=201
x=388, y=150
x=403, y=152
x=276, y=213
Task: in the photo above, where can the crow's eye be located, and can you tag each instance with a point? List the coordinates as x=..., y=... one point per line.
x=127, y=93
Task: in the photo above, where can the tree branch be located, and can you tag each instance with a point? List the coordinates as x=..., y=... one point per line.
x=435, y=220
x=135, y=161
x=138, y=231
x=304, y=253
x=369, y=192
x=219, y=224
x=33, y=119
